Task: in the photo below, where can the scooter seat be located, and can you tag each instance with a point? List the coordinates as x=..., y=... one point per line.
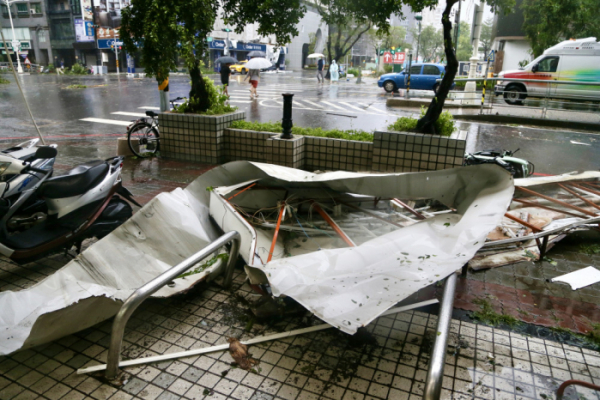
x=77, y=181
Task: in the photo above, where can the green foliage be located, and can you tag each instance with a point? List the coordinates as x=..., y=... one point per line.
x=207, y=264
x=465, y=50
x=548, y=22
x=431, y=43
x=443, y=126
x=353, y=71
x=216, y=96
x=590, y=250
x=275, y=127
x=523, y=63
x=4, y=81
x=76, y=87
x=51, y=68
x=488, y=316
x=76, y=69
x=485, y=38
x=394, y=38
x=387, y=68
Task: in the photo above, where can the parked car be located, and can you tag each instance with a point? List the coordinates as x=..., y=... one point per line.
x=240, y=67
x=422, y=77
x=571, y=60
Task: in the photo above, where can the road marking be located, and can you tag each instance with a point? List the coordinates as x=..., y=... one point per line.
x=240, y=101
x=130, y=113
x=351, y=106
x=333, y=105
x=107, y=121
x=149, y=108
x=312, y=104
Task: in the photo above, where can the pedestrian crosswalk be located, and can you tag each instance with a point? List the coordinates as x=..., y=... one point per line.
x=311, y=98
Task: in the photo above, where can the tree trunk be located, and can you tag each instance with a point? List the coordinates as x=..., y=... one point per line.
x=327, y=75
x=427, y=123
x=199, y=100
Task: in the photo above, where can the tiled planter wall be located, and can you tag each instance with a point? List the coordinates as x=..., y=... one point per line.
x=408, y=152
x=389, y=152
x=337, y=154
x=192, y=137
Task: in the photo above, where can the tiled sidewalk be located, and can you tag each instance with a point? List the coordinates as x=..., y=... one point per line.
x=388, y=360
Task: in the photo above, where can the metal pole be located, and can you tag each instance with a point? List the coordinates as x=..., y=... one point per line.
x=134, y=301
x=16, y=51
x=433, y=384
x=116, y=50
x=418, y=42
x=286, y=122
x=487, y=66
x=408, y=76
x=457, y=32
x=12, y=67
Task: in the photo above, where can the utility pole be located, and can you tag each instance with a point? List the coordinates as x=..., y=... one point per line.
x=469, y=94
x=418, y=17
x=457, y=23
x=226, y=49
x=15, y=43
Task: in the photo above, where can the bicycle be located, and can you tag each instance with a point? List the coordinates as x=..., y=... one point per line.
x=143, y=137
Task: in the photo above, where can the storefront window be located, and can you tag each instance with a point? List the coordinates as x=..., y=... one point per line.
x=41, y=36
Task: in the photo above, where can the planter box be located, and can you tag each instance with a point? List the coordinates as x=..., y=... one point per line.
x=193, y=137
x=264, y=147
x=411, y=152
x=337, y=154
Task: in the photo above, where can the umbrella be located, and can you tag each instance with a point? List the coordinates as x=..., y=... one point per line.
x=258, y=63
x=226, y=60
x=257, y=53
x=316, y=55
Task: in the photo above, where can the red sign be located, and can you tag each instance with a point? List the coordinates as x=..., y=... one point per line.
x=399, y=58
x=388, y=58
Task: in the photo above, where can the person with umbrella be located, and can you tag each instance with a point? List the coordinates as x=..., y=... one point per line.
x=320, y=66
x=225, y=71
x=253, y=76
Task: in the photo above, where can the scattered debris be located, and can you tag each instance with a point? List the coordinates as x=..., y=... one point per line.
x=239, y=352
x=580, y=278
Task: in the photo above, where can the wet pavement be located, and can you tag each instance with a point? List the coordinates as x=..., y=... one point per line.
x=388, y=361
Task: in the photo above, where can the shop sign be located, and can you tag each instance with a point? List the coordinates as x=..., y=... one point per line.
x=84, y=31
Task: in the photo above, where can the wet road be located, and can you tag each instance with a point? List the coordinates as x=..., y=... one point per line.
x=109, y=102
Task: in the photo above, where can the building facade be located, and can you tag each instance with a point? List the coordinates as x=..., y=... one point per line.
x=30, y=29
x=509, y=40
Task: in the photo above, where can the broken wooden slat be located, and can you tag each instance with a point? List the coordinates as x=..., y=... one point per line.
x=276, y=233
x=524, y=223
x=533, y=204
x=560, y=202
x=335, y=226
x=407, y=207
x=574, y=193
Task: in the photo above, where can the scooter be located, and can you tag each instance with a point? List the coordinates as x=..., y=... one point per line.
x=518, y=167
x=56, y=213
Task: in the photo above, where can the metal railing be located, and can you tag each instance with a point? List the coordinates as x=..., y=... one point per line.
x=141, y=294
x=544, y=100
x=435, y=374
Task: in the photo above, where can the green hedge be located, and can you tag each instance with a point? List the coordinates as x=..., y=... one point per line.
x=444, y=125
x=275, y=127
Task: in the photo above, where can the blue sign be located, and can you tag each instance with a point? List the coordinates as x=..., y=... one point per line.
x=130, y=64
x=106, y=43
x=220, y=45
x=492, y=56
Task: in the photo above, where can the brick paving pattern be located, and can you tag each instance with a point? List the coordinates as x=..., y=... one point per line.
x=388, y=360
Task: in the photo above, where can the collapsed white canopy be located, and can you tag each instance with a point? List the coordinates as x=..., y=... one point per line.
x=345, y=287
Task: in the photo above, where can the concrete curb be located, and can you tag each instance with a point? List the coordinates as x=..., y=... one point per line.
x=426, y=102
x=508, y=119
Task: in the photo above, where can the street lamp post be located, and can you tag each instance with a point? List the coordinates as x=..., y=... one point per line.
x=418, y=17
x=14, y=40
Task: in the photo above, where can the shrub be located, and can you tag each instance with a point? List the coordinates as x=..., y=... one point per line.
x=353, y=71
x=275, y=127
x=218, y=99
x=51, y=68
x=4, y=81
x=388, y=68
x=444, y=125
x=76, y=87
x=77, y=69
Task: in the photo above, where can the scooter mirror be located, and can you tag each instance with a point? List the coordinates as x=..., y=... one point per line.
x=45, y=152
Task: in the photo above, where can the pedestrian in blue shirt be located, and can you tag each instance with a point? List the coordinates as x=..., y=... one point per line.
x=320, y=65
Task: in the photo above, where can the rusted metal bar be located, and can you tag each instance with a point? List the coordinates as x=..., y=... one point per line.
x=370, y=213
x=560, y=202
x=333, y=225
x=587, y=189
x=410, y=209
x=241, y=191
x=560, y=392
x=533, y=204
x=281, y=212
x=574, y=193
x=544, y=247
x=522, y=222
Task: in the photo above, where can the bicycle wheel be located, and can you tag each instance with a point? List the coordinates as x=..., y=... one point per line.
x=143, y=140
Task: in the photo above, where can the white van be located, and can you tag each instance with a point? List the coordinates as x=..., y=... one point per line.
x=571, y=60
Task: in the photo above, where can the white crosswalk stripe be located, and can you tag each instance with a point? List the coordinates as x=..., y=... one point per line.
x=107, y=121
x=132, y=114
x=149, y=108
x=353, y=107
x=333, y=105
x=312, y=104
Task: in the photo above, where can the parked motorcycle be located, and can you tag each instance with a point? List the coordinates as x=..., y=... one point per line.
x=49, y=214
x=518, y=167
